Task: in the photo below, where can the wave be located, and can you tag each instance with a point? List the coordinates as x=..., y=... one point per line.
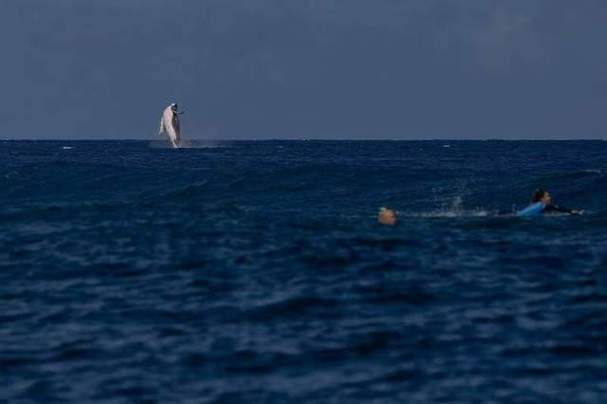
x=567, y=175
x=449, y=214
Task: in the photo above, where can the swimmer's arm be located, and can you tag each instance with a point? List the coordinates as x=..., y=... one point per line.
x=557, y=208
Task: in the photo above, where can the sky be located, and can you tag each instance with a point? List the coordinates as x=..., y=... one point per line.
x=322, y=69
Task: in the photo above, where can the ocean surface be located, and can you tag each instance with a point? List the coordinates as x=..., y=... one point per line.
x=256, y=272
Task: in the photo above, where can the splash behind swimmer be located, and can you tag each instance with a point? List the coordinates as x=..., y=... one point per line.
x=541, y=202
x=169, y=125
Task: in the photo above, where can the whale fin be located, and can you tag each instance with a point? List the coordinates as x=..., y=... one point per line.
x=161, y=130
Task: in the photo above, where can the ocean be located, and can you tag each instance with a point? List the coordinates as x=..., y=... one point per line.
x=256, y=272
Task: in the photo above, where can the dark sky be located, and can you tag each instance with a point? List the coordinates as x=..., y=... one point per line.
x=406, y=69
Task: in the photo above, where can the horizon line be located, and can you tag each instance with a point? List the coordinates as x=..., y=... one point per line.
x=310, y=139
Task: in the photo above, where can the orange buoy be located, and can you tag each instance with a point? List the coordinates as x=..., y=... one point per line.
x=386, y=217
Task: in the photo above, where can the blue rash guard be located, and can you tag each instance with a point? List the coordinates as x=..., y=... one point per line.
x=537, y=208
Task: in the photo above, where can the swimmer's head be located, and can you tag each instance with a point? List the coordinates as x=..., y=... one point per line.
x=386, y=217
x=173, y=106
x=540, y=195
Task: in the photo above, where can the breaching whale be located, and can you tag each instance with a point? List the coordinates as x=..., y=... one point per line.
x=169, y=125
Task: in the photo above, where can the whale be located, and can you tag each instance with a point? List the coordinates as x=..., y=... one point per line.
x=169, y=125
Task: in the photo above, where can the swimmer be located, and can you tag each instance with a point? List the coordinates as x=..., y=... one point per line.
x=541, y=202
x=386, y=217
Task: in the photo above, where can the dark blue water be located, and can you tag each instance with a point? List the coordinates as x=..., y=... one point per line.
x=256, y=272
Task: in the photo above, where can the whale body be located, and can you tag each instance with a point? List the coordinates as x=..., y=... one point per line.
x=169, y=125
